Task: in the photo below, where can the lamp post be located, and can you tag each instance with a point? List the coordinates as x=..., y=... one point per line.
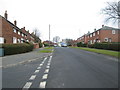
x=49, y=35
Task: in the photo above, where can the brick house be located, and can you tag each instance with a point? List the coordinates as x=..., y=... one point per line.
x=104, y=34
x=10, y=33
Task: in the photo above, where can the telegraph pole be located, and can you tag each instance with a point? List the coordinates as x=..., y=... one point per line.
x=49, y=35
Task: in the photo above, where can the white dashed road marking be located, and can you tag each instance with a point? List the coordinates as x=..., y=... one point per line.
x=46, y=71
x=45, y=76
x=41, y=64
x=36, y=71
x=32, y=77
x=48, y=64
x=42, y=84
x=39, y=68
x=48, y=67
x=27, y=85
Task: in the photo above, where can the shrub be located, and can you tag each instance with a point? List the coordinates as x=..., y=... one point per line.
x=107, y=46
x=80, y=44
x=10, y=49
x=40, y=45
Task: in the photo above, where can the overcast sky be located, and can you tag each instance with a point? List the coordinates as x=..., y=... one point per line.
x=68, y=18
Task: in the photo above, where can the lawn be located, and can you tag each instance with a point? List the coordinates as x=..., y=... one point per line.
x=47, y=50
x=106, y=52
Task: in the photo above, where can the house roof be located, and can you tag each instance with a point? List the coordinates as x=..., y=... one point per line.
x=108, y=28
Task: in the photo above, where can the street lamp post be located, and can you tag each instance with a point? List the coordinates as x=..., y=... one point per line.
x=49, y=35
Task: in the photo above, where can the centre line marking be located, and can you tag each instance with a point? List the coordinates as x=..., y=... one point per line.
x=27, y=85
x=41, y=64
x=48, y=67
x=32, y=77
x=42, y=84
x=38, y=67
x=45, y=76
x=48, y=64
x=46, y=71
x=36, y=71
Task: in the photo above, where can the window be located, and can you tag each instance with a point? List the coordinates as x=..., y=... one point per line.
x=18, y=40
x=18, y=33
x=113, y=31
x=90, y=41
x=14, y=40
x=98, y=32
x=93, y=34
x=109, y=40
x=22, y=40
x=22, y=34
x=106, y=39
x=1, y=40
x=14, y=30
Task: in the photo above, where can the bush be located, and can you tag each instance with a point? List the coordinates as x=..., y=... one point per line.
x=10, y=49
x=107, y=46
x=80, y=44
x=40, y=45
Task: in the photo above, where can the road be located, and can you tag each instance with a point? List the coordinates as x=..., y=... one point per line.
x=64, y=68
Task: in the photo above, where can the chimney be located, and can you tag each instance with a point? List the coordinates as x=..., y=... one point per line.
x=102, y=26
x=94, y=29
x=24, y=28
x=15, y=23
x=6, y=15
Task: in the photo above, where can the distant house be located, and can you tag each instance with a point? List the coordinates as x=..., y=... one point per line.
x=10, y=33
x=104, y=34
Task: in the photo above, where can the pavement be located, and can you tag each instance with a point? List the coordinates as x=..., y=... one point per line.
x=64, y=68
x=12, y=60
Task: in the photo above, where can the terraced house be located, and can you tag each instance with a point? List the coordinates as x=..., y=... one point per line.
x=10, y=33
x=104, y=34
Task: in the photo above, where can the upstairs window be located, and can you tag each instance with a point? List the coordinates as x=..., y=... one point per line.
x=98, y=32
x=22, y=34
x=18, y=33
x=113, y=31
x=14, y=30
x=1, y=40
x=93, y=34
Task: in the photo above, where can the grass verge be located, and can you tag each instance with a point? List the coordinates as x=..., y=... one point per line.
x=100, y=51
x=46, y=50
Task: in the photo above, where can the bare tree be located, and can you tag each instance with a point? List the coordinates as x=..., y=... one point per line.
x=36, y=32
x=112, y=11
x=36, y=35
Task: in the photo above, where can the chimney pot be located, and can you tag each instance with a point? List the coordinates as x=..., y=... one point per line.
x=6, y=15
x=102, y=25
x=15, y=22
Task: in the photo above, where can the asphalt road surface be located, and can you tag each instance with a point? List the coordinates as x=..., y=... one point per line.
x=65, y=68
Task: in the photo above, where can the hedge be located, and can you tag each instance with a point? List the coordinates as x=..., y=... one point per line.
x=107, y=46
x=80, y=44
x=10, y=49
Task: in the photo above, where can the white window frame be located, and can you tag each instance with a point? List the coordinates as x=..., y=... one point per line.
x=14, y=30
x=98, y=32
x=18, y=40
x=93, y=34
x=1, y=40
x=22, y=34
x=106, y=39
x=113, y=32
x=14, y=40
x=90, y=35
x=18, y=33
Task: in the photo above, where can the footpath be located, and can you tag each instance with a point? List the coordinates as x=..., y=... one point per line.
x=12, y=60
